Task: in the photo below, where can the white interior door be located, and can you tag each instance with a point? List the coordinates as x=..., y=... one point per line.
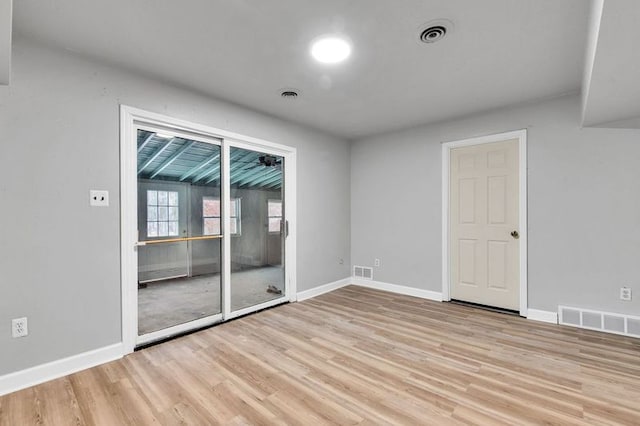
x=484, y=235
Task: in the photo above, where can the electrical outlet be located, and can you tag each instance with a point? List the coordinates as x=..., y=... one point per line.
x=376, y=262
x=625, y=293
x=19, y=327
x=98, y=198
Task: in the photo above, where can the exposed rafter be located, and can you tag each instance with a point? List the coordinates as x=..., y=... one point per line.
x=145, y=142
x=240, y=162
x=155, y=155
x=166, y=163
x=249, y=175
x=212, y=179
x=272, y=182
x=239, y=154
x=257, y=179
x=199, y=166
x=215, y=168
x=272, y=186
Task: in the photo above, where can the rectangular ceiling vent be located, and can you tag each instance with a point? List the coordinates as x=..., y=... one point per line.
x=608, y=322
x=363, y=272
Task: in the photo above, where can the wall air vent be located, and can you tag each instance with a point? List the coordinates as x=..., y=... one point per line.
x=363, y=272
x=608, y=322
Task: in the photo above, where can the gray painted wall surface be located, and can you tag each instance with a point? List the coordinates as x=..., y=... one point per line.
x=584, y=205
x=59, y=258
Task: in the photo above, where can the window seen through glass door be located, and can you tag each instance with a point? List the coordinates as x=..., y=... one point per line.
x=211, y=216
x=274, y=208
x=162, y=213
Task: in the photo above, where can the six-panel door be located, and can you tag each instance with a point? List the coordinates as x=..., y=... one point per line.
x=484, y=246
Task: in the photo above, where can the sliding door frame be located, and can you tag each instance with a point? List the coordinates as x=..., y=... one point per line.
x=289, y=186
x=130, y=119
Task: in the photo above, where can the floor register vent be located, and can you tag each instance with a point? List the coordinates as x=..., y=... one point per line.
x=608, y=322
x=363, y=272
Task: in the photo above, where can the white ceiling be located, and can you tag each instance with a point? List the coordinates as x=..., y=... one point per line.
x=5, y=41
x=613, y=89
x=501, y=52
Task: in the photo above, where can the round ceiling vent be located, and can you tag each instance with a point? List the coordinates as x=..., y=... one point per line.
x=433, y=34
x=434, y=31
x=289, y=94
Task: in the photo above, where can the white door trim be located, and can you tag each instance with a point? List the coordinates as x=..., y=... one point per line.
x=130, y=118
x=521, y=135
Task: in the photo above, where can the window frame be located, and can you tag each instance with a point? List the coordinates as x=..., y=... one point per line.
x=271, y=200
x=237, y=217
x=158, y=221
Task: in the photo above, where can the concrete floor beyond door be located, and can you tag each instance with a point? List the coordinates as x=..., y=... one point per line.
x=171, y=302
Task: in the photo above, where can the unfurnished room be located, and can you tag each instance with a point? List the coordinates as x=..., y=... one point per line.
x=416, y=212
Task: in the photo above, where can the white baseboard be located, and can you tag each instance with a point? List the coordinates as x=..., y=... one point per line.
x=399, y=289
x=543, y=316
x=326, y=288
x=52, y=370
x=532, y=314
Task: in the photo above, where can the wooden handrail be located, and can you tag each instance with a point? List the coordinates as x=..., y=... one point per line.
x=179, y=240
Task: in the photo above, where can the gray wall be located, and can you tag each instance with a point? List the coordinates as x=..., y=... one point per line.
x=584, y=204
x=59, y=258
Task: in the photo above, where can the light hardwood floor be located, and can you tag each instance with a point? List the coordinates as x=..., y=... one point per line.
x=355, y=356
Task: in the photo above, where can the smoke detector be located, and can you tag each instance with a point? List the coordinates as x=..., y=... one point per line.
x=434, y=31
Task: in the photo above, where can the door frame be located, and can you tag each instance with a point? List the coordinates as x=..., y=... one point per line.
x=130, y=118
x=521, y=136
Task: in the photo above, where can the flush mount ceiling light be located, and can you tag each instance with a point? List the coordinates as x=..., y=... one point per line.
x=434, y=31
x=330, y=49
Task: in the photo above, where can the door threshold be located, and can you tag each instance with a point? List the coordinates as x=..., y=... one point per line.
x=485, y=307
x=197, y=329
x=174, y=336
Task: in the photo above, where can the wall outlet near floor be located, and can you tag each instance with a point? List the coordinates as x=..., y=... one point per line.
x=625, y=293
x=376, y=262
x=19, y=327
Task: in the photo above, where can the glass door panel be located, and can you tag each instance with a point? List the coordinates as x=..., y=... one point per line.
x=179, y=249
x=256, y=228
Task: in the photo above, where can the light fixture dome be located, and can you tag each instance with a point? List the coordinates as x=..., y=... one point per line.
x=330, y=49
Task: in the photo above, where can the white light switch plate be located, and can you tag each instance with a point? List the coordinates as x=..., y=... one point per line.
x=98, y=198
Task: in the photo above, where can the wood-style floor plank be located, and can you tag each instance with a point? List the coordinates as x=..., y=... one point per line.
x=354, y=357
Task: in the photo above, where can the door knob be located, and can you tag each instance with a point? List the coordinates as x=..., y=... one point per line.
x=515, y=234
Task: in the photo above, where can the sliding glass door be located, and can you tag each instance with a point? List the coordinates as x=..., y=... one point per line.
x=179, y=231
x=257, y=228
x=211, y=230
